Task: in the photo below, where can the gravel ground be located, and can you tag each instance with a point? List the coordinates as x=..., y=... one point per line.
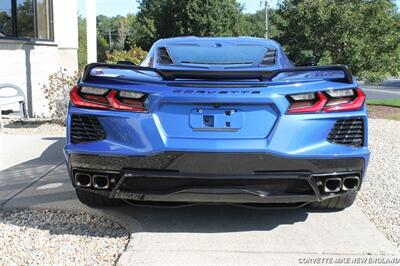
x=32, y=127
x=33, y=237
x=379, y=197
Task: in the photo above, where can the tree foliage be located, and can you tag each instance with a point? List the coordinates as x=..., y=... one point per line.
x=255, y=24
x=362, y=34
x=135, y=55
x=162, y=18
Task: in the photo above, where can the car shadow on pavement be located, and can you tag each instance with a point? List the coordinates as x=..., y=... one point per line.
x=53, y=190
x=17, y=178
x=212, y=218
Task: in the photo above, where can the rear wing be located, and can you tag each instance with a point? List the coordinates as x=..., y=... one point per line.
x=339, y=73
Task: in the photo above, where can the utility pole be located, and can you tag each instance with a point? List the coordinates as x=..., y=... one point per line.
x=266, y=18
x=109, y=38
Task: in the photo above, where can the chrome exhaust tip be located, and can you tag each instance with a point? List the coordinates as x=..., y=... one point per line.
x=101, y=182
x=351, y=183
x=332, y=185
x=83, y=180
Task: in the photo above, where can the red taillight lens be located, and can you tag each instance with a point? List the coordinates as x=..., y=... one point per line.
x=107, y=99
x=329, y=101
x=127, y=104
x=308, y=106
x=354, y=103
x=87, y=100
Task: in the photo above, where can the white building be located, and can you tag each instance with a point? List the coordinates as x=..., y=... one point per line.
x=37, y=39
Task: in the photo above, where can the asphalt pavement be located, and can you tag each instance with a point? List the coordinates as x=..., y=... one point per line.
x=389, y=89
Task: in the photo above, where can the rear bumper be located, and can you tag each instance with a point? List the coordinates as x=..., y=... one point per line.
x=220, y=163
x=215, y=177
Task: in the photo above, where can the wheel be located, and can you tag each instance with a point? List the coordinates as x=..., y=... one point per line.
x=340, y=202
x=96, y=200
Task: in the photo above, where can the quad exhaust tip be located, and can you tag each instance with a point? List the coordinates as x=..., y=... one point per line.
x=351, y=183
x=333, y=184
x=101, y=182
x=83, y=180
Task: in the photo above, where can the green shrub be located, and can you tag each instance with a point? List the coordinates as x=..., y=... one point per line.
x=57, y=94
x=135, y=55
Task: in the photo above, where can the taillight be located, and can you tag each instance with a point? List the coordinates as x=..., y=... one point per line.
x=99, y=98
x=307, y=103
x=347, y=103
x=328, y=101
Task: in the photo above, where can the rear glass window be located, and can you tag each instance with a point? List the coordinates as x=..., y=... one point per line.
x=216, y=55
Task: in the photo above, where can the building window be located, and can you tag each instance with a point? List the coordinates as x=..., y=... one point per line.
x=26, y=19
x=6, y=25
x=43, y=19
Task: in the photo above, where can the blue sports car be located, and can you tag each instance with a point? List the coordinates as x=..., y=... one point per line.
x=217, y=120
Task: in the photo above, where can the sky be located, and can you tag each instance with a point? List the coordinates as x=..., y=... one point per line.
x=123, y=7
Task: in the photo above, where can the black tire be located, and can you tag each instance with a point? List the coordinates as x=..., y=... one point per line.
x=96, y=200
x=340, y=202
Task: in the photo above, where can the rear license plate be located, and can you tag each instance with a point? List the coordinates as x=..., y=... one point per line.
x=215, y=119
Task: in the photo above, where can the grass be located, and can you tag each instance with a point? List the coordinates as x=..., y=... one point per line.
x=385, y=102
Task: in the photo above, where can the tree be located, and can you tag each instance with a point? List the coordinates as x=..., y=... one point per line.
x=162, y=18
x=255, y=24
x=112, y=33
x=102, y=48
x=362, y=34
x=124, y=28
x=82, y=51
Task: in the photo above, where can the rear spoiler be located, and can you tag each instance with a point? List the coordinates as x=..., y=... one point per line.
x=262, y=75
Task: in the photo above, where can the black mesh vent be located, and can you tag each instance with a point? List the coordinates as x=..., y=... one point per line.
x=269, y=58
x=86, y=128
x=348, y=132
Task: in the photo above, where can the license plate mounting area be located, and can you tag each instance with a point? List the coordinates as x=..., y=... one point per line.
x=216, y=119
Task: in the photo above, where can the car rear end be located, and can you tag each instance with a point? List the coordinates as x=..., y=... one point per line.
x=276, y=137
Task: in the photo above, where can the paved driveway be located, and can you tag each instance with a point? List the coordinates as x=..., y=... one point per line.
x=199, y=234
x=389, y=89
x=376, y=92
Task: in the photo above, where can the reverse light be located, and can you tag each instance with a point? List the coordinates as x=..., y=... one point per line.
x=94, y=91
x=303, y=97
x=327, y=101
x=99, y=98
x=131, y=94
x=340, y=93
